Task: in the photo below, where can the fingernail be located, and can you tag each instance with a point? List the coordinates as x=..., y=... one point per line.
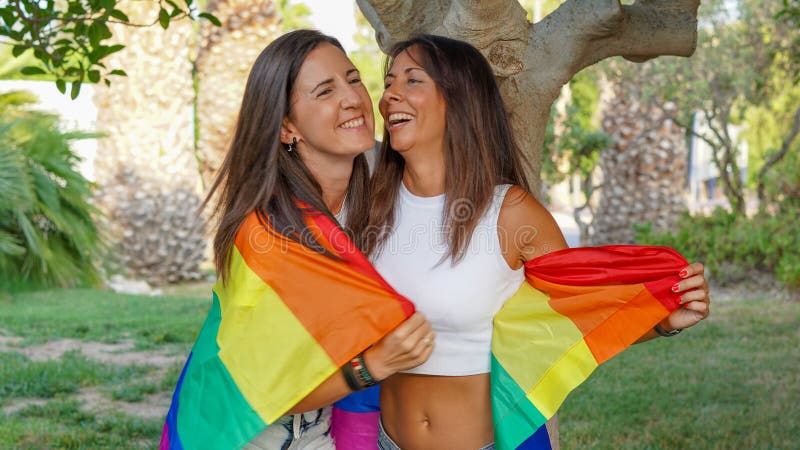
x=675, y=286
x=680, y=299
x=683, y=273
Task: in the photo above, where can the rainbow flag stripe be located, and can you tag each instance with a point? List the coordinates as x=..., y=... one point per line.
x=286, y=320
x=578, y=308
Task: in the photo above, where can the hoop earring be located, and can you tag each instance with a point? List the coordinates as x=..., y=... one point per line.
x=292, y=145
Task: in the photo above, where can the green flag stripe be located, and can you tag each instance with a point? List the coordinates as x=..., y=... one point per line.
x=209, y=398
x=515, y=417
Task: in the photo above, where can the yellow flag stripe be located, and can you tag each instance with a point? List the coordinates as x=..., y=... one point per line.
x=259, y=334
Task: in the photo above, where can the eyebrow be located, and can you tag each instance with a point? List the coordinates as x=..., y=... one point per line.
x=330, y=80
x=409, y=69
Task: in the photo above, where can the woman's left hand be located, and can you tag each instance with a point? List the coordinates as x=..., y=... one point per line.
x=695, y=301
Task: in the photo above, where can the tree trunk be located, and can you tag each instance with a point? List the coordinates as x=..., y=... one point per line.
x=223, y=63
x=644, y=171
x=145, y=163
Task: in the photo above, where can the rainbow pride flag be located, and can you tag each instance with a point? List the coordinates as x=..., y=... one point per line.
x=289, y=317
x=578, y=308
x=285, y=321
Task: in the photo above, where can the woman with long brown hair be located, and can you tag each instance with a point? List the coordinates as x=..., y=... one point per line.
x=451, y=225
x=297, y=152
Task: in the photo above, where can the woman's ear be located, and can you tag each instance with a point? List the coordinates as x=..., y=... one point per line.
x=288, y=131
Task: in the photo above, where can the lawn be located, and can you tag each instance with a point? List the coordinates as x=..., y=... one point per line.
x=732, y=382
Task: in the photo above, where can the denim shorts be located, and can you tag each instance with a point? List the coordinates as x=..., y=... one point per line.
x=386, y=443
x=307, y=431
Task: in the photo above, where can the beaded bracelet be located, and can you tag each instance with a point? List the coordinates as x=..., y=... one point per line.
x=360, y=368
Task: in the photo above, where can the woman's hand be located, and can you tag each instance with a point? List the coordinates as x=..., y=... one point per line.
x=695, y=302
x=405, y=347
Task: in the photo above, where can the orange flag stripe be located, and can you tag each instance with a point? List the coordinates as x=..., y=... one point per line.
x=315, y=300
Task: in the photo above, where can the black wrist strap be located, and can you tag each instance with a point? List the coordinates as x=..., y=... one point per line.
x=665, y=333
x=350, y=377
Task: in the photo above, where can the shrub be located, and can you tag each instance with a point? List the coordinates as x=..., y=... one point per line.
x=733, y=247
x=47, y=233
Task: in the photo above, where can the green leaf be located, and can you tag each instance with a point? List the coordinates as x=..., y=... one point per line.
x=117, y=14
x=98, y=31
x=94, y=76
x=118, y=72
x=33, y=70
x=211, y=18
x=163, y=18
x=108, y=5
x=61, y=85
x=18, y=50
x=76, y=89
x=171, y=3
x=9, y=16
x=76, y=8
x=102, y=51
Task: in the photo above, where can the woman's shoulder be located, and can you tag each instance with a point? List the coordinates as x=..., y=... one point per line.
x=520, y=207
x=528, y=225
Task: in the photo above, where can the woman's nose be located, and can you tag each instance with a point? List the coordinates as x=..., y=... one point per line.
x=352, y=97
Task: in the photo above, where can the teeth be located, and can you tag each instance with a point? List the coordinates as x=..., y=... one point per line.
x=353, y=123
x=397, y=117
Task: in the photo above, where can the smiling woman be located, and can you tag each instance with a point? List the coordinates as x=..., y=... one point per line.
x=459, y=234
x=413, y=105
x=330, y=117
x=272, y=355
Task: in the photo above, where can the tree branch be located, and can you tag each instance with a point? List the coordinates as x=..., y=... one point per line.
x=582, y=32
x=395, y=20
x=774, y=159
x=482, y=22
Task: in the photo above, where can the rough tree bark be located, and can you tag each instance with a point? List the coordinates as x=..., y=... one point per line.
x=145, y=163
x=532, y=61
x=223, y=62
x=644, y=169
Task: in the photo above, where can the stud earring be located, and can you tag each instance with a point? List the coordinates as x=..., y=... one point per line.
x=292, y=145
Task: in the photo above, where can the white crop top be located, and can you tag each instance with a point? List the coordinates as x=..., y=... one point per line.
x=458, y=300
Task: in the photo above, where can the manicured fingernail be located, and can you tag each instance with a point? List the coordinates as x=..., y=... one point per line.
x=683, y=273
x=675, y=286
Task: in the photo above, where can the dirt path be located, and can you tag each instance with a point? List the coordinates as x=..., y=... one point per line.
x=153, y=406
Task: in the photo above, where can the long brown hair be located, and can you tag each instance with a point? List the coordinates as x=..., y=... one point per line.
x=258, y=173
x=480, y=150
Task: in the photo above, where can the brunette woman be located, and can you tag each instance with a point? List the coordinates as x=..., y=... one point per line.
x=298, y=146
x=451, y=224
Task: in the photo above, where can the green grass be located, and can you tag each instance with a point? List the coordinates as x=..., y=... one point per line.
x=731, y=382
x=92, y=314
x=60, y=424
x=21, y=377
x=153, y=323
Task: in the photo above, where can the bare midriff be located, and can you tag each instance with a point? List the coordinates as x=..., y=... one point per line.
x=421, y=412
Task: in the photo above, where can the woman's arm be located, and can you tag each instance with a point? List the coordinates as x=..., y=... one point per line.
x=405, y=347
x=527, y=230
